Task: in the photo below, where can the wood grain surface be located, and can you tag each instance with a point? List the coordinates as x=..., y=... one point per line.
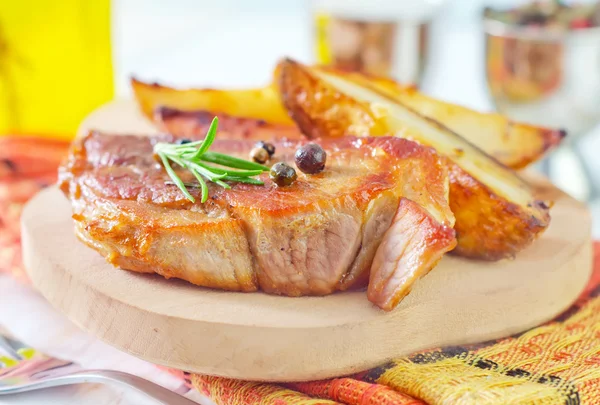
x=262, y=337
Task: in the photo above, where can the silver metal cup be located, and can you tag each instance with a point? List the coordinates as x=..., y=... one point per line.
x=380, y=47
x=548, y=78
x=545, y=77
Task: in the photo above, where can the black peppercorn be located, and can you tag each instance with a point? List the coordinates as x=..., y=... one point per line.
x=269, y=147
x=310, y=158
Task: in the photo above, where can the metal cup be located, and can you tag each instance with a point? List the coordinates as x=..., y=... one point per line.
x=549, y=78
x=383, y=48
x=543, y=76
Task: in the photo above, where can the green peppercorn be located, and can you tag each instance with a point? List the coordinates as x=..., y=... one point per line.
x=282, y=174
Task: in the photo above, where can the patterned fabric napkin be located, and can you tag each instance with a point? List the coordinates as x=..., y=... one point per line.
x=26, y=166
x=556, y=363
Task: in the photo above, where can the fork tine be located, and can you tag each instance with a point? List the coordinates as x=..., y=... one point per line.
x=10, y=346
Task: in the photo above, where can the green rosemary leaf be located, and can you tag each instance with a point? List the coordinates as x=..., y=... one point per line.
x=208, y=139
x=230, y=161
x=192, y=156
x=237, y=173
x=223, y=184
x=203, y=185
x=247, y=180
x=175, y=177
x=177, y=160
x=205, y=172
x=173, y=149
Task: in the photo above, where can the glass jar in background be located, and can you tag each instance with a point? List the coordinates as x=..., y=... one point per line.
x=55, y=65
x=379, y=37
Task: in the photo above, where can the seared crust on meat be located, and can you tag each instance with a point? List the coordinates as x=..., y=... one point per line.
x=326, y=232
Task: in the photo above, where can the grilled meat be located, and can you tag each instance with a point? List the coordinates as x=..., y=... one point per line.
x=378, y=215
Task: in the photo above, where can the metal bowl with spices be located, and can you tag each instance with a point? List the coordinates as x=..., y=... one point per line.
x=549, y=76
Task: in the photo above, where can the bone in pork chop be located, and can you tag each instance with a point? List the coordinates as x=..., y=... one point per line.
x=378, y=215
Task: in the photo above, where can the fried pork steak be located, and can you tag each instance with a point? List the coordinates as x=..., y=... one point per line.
x=377, y=216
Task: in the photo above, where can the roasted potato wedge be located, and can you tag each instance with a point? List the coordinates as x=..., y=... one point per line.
x=496, y=211
x=514, y=144
x=261, y=103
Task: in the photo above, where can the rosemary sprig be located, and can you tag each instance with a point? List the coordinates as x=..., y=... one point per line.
x=194, y=156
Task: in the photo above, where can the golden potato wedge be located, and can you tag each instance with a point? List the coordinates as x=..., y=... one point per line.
x=514, y=144
x=496, y=212
x=261, y=103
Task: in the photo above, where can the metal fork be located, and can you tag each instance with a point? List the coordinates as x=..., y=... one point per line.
x=40, y=371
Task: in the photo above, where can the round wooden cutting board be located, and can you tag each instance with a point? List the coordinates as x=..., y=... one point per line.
x=256, y=336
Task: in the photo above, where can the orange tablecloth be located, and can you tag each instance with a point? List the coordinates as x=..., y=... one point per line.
x=556, y=363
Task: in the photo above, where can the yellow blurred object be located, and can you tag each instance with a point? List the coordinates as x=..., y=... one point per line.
x=322, y=22
x=55, y=64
